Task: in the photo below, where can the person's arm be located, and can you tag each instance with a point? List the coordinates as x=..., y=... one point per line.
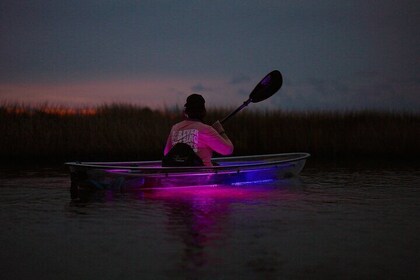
x=219, y=128
x=218, y=140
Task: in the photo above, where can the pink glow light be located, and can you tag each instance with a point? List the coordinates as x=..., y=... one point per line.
x=220, y=192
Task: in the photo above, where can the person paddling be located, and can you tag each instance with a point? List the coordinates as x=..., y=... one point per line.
x=201, y=138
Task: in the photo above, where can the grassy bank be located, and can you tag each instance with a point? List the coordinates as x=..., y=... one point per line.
x=125, y=132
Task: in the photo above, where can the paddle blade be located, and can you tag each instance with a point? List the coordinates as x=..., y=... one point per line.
x=267, y=87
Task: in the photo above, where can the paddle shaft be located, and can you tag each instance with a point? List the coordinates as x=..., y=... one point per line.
x=236, y=111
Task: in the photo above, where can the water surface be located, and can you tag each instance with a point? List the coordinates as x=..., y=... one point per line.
x=337, y=221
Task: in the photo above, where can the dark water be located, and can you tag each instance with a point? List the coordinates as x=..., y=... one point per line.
x=336, y=221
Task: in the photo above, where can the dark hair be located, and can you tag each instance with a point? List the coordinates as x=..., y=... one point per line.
x=195, y=108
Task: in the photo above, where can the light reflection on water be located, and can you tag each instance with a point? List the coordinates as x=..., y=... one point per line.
x=332, y=222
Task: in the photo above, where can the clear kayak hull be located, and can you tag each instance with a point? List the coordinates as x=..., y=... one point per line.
x=149, y=174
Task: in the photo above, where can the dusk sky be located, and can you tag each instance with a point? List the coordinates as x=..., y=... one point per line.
x=333, y=54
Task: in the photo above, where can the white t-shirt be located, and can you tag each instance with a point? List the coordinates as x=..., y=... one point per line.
x=202, y=138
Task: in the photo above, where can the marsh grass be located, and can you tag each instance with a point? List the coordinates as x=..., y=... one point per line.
x=128, y=132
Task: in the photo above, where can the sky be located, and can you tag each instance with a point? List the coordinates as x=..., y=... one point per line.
x=333, y=54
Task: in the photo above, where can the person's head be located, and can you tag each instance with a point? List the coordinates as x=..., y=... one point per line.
x=194, y=108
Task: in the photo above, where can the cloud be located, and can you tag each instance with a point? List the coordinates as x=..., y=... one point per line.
x=243, y=92
x=329, y=87
x=350, y=94
x=201, y=88
x=240, y=79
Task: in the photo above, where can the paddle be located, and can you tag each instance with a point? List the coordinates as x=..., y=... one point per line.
x=266, y=88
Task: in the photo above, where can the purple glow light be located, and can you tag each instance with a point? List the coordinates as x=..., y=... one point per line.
x=252, y=182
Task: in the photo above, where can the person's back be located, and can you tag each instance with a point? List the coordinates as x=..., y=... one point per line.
x=202, y=138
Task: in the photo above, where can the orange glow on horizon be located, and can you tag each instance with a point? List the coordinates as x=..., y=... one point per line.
x=57, y=111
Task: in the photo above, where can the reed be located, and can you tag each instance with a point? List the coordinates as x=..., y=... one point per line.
x=128, y=132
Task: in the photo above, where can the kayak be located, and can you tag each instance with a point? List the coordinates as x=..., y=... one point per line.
x=236, y=171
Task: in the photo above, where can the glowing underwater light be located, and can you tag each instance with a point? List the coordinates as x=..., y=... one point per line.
x=235, y=172
x=264, y=181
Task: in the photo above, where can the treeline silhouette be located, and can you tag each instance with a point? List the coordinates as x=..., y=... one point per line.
x=129, y=132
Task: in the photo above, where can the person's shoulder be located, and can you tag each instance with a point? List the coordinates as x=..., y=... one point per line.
x=178, y=124
x=192, y=124
x=202, y=125
x=207, y=129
